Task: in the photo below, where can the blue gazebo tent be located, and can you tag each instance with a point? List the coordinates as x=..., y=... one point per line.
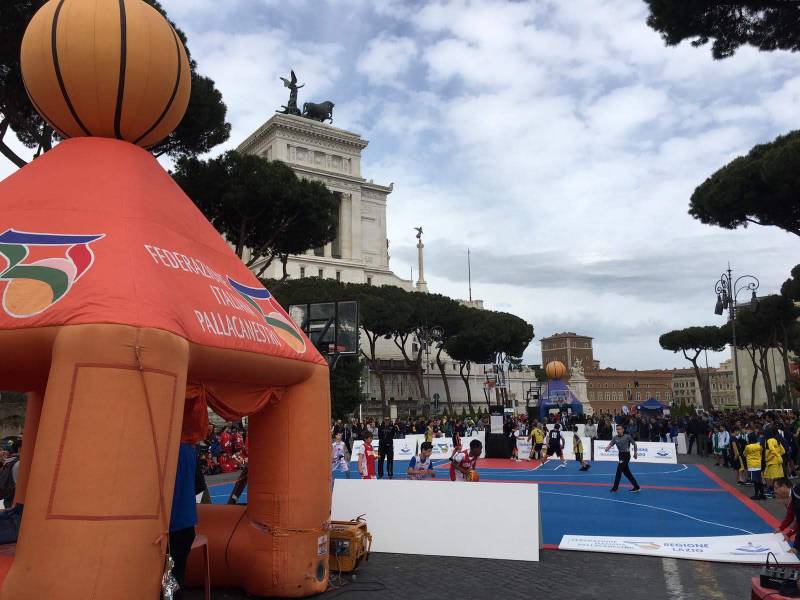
x=651, y=405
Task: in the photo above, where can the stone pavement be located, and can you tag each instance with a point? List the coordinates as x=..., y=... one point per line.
x=559, y=575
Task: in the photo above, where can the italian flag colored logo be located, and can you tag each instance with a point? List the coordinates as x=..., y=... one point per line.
x=33, y=286
x=283, y=327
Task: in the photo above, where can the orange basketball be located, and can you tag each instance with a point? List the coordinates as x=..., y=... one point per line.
x=473, y=475
x=106, y=68
x=555, y=370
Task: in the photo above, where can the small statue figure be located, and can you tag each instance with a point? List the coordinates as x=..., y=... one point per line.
x=291, y=106
x=577, y=367
x=419, y=232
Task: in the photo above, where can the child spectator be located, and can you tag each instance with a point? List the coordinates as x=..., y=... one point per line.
x=577, y=449
x=338, y=460
x=753, y=456
x=773, y=456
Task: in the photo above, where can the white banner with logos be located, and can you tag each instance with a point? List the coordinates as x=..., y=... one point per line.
x=648, y=452
x=406, y=448
x=734, y=548
x=481, y=437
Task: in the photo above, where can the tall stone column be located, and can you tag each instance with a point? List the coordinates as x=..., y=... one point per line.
x=422, y=286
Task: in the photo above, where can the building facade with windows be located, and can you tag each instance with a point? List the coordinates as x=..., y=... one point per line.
x=320, y=152
x=611, y=389
x=568, y=346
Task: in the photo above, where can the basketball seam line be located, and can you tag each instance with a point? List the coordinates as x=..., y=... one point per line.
x=172, y=97
x=64, y=93
x=123, y=51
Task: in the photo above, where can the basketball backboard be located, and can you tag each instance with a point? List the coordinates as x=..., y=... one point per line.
x=331, y=326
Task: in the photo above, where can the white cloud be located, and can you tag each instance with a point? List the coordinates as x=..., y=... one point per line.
x=387, y=58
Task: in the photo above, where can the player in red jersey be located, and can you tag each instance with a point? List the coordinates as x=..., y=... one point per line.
x=366, y=460
x=462, y=464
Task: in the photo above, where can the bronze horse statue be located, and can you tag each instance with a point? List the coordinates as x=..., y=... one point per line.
x=321, y=111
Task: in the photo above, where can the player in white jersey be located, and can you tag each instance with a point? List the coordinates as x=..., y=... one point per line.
x=421, y=467
x=338, y=459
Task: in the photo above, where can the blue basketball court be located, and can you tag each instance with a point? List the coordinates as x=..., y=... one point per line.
x=675, y=501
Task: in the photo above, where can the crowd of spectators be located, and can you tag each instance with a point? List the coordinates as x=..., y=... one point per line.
x=224, y=450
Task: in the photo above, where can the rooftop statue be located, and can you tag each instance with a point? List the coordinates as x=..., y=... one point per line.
x=291, y=106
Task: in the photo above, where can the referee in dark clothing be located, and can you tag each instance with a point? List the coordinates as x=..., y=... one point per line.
x=623, y=442
x=386, y=431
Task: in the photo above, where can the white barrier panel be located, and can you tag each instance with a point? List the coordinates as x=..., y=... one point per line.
x=681, y=443
x=734, y=548
x=395, y=516
x=405, y=449
x=648, y=452
x=442, y=448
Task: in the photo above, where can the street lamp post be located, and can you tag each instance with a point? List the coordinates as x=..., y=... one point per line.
x=728, y=290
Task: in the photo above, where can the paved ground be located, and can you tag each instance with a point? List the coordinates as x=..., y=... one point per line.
x=559, y=575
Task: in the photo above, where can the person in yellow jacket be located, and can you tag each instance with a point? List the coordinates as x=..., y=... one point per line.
x=537, y=440
x=753, y=454
x=773, y=456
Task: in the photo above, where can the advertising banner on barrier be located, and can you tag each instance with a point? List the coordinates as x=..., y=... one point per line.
x=681, y=443
x=648, y=452
x=405, y=449
x=481, y=437
x=734, y=548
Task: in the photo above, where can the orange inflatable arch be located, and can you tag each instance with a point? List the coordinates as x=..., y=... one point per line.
x=123, y=310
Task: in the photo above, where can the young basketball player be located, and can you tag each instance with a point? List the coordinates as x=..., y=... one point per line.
x=421, y=466
x=537, y=441
x=555, y=445
x=366, y=460
x=338, y=460
x=463, y=464
x=577, y=448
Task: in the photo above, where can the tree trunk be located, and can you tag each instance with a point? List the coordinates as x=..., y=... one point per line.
x=5, y=150
x=766, y=377
x=465, y=379
x=752, y=356
x=374, y=365
x=441, y=366
x=705, y=391
x=784, y=350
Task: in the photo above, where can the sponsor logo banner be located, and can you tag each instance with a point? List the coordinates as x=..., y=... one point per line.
x=735, y=549
x=648, y=452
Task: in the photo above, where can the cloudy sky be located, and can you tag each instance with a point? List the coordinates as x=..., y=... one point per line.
x=559, y=140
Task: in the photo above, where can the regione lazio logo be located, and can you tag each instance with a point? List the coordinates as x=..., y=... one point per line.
x=283, y=327
x=41, y=268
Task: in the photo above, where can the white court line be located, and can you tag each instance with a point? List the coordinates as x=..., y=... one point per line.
x=675, y=512
x=583, y=474
x=672, y=578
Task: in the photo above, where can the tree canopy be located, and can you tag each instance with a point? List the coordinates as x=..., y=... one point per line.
x=202, y=128
x=791, y=287
x=260, y=205
x=762, y=187
x=691, y=342
x=766, y=25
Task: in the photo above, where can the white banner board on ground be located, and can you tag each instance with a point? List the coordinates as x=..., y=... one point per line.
x=399, y=523
x=405, y=449
x=480, y=436
x=581, y=428
x=735, y=548
x=648, y=452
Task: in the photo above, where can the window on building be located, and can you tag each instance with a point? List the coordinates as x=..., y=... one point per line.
x=369, y=280
x=321, y=273
x=608, y=396
x=338, y=275
x=302, y=271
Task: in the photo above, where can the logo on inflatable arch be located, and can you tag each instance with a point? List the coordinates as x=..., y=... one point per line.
x=41, y=268
x=283, y=327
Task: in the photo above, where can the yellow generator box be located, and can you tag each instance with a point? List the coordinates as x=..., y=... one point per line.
x=350, y=542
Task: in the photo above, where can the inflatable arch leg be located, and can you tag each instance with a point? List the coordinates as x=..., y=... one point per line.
x=278, y=545
x=33, y=412
x=95, y=528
